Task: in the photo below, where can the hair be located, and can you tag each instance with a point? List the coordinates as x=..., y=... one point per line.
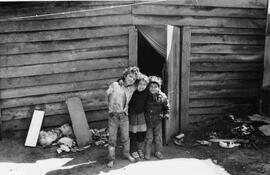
x=155, y=79
x=131, y=70
x=142, y=77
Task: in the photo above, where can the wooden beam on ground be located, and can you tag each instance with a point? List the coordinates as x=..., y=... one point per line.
x=185, y=76
x=79, y=122
x=33, y=132
x=133, y=46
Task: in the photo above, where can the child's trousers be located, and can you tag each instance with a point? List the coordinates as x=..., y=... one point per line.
x=115, y=121
x=154, y=133
x=137, y=141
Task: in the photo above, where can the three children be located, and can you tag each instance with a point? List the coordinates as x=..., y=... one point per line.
x=138, y=112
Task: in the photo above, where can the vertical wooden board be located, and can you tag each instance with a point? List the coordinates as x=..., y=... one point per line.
x=173, y=59
x=79, y=122
x=266, y=73
x=35, y=125
x=185, y=76
x=133, y=46
x=0, y=123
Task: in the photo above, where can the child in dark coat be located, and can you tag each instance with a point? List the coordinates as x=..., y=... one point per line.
x=137, y=123
x=157, y=108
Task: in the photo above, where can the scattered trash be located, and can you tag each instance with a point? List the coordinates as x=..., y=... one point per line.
x=46, y=138
x=228, y=144
x=259, y=118
x=178, y=140
x=100, y=137
x=204, y=142
x=265, y=129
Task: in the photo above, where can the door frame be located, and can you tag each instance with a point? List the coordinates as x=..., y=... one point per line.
x=178, y=75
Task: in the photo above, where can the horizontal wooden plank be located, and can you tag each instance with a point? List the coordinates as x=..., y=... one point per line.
x=225, y=93
x=224, y=84
x=199, y=21
x=227, y=39
x=53, y=121
x=50, y=109
x=198, y=103
x=227, y=31
x=62, y=56
x=220, y=3
x=226, y=110
x=73, y=77
x=151, y=9
x=221, y=67
x=257, y=58
x=67, y=34
x=34, y=47
x=56, y=88
x=69, y=23
x=53, y=13
x=63, y=67
x=227, y=49
x=51, y=98
x=225, y=76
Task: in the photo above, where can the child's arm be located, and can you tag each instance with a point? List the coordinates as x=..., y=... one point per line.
x=166, y=107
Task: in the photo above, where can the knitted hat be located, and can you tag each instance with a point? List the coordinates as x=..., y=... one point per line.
x=155, y=79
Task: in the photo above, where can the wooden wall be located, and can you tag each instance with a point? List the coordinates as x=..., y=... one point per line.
x=226, y=52
x=45, y=60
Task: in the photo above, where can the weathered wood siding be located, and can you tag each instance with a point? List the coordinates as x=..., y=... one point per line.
x=45, y=60
x=226, y=52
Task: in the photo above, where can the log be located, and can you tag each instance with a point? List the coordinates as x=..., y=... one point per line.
x=61, y=78
x=39, y=47
x=228, y=31
x=227, y=39
x=256, y=58
x=51, y=109
x=199, y=21
x=52, y=121
x=199, y=103
x=225, y=93
x=55, y=88
x=224, y=84
x=225, y=76
x=68, y=34
x=223, y=67
x=55, y=68
x=227, y=49
x=166, y=10
x=62, y=56
x=51, y=98
x=68, y=23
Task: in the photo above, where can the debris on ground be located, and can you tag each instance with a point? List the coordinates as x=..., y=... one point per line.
x=100, y=137
x=204, y=142
x=265, y=129
x=64, y=138
x=231, y=131
x=178, y=139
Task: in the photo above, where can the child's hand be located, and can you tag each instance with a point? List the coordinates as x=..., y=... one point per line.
x=120, y=82
x=164, y=116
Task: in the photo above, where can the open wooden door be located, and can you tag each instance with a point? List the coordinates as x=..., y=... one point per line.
x=173, y=65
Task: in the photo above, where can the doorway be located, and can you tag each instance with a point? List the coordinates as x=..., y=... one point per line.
x=150, y=62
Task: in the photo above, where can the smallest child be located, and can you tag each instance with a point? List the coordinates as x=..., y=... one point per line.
x=157, y=108
x=137, y=123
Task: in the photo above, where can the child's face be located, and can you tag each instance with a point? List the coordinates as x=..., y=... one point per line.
x=141, y=86
x=130, y=79
x=153, y=88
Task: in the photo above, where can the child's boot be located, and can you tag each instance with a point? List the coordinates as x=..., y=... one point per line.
x=129, y=157
x=159, y=155
x=140, y=149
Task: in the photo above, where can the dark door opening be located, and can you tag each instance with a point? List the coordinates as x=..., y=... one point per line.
x=150, y=61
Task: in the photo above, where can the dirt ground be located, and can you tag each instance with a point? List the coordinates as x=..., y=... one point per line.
x=15, y=159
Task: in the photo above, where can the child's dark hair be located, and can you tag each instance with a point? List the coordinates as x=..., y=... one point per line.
x=155, y=79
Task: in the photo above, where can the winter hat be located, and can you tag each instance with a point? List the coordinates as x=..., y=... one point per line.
x=155, y=79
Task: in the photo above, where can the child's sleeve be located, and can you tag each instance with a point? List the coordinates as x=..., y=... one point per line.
x=111, y=88
x=166, y=106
